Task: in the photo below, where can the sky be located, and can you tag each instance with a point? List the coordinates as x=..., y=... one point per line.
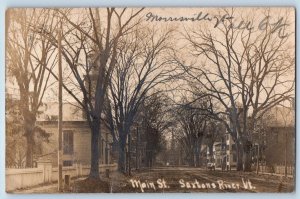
x=194, y=21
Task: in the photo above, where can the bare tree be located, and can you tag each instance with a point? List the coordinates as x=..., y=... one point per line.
x=245, y=71
x=141, y=65
x=90, y=49
x=28, y=55
x=155, y=119
x=193, y=121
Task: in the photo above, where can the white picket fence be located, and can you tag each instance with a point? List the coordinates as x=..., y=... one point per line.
x=277, y=169
x=44, y=173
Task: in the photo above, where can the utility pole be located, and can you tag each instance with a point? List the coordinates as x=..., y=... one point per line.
x=137, y=148
x=285, y=151
x=106, y=155
x=257, y=158
x=259, y=131
x=60, y=114
x=129, y=154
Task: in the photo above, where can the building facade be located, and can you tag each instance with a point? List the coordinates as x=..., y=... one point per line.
x=76, y=137
x=231, y=158
x=279, y=144
x=272, y=145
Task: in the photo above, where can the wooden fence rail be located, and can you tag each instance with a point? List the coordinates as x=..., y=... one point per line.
x=45, y=173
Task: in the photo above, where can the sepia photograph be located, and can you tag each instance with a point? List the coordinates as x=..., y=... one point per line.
x=150, y=100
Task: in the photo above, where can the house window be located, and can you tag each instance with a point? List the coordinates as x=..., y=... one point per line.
x=234, y=157
x=102, y=147
x=67, y=163
x=68, y=140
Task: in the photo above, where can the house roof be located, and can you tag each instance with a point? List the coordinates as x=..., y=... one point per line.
x=49, y=111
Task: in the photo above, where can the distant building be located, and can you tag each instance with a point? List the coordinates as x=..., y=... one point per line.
x=223, y=154
x=276, y=141
x=231, y=157
x=280, y=137
x=219, y=155
x=231, y=154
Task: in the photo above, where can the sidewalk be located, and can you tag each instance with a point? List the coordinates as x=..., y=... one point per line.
x=49, y=188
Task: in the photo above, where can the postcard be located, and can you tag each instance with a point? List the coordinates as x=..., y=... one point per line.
x=139, y=100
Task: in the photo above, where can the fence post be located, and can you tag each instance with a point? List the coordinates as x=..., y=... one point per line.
x=46, y=166
x=80, y=169
x=76, y=169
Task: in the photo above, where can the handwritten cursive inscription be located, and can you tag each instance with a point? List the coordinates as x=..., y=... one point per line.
x=276, y=25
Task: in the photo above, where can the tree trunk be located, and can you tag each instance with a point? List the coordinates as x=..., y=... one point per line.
x=29, y=149
x=191, y=158
x=29, y=134
x=129, y=154
x=247, y=156
x=150, y=161
x=239, y=157
x=137, y=161
x=198, y=161
x=243, y=157
x=122, y=154
x=94, y=171
x=246, y=161
x=198, y=151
